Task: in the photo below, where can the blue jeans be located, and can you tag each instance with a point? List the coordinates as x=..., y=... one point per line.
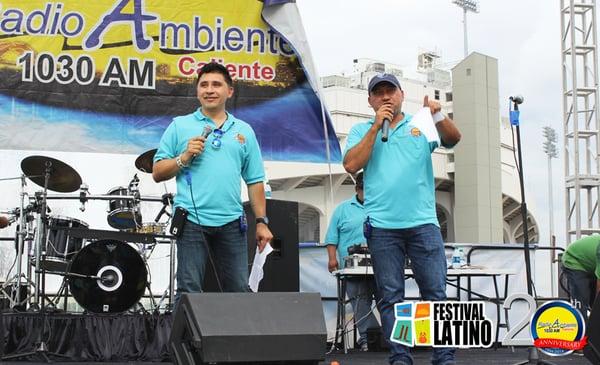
x=582, y=288
x=361, y=292
x=229, y=250
x=425, y=248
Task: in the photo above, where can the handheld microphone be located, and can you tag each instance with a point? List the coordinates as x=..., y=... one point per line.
x=385, y=130
x=205, y=133
x=517, y=99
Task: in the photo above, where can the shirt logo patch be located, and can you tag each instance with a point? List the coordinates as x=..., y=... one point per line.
x=240, y=138
x=415, y=132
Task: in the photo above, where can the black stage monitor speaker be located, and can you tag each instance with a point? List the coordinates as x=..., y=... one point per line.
x=282, y=268
x=592, y=350
x=250, y=328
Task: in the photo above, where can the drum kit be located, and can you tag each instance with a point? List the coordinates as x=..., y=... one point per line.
x=105, y=271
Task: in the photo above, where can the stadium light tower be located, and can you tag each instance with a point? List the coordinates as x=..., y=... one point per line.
x=467, y=5
x=552, y=152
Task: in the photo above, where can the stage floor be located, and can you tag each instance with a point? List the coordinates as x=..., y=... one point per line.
x=502, y=356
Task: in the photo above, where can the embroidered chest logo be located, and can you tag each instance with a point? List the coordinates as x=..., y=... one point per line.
x=240, y=138
x=415, y=132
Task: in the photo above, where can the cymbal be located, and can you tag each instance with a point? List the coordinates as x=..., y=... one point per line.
x=63, y=178
x=145, y=161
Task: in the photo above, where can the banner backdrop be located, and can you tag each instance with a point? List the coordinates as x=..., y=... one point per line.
x=109, y=75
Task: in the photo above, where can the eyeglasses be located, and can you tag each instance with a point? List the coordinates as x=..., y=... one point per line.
x=216, y=142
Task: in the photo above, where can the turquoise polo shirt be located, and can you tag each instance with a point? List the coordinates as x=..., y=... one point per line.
x=216, y=173
x=346, y=227
x=399, y=185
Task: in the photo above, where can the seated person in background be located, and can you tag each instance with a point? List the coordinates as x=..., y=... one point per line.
x=346, y=230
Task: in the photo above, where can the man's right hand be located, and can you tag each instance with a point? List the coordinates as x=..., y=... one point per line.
x=195, y=147
x=384, y=111
x=332, y=265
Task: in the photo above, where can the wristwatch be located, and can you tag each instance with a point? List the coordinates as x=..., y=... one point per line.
x=264, y=220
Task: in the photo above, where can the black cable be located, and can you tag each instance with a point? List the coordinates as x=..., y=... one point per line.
x=208, y=251
x=347, y=323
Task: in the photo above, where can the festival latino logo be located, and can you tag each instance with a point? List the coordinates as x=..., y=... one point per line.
x=442, y=324
x=558, y=329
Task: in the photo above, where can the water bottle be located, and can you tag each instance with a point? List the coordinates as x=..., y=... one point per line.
x=456, y=258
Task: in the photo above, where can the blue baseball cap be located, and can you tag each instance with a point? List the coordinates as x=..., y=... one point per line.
x=383, y=77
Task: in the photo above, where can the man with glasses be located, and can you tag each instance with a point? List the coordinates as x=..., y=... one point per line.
x=346, y=230
x=208, y=171
x=400, y=203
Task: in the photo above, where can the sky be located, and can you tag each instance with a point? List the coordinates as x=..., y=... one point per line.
x=523, y=35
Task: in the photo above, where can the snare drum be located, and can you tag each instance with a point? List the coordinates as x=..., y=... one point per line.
x=152, y=228
x=60, y=247
x=123, y=213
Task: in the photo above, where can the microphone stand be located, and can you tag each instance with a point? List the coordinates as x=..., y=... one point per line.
x=533, y=353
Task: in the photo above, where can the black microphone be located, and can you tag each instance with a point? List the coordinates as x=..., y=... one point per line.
x=109, y=278
x=517, y=99
x=205, y=133
x=167, y=200
x=385, y=130
x=163, y=210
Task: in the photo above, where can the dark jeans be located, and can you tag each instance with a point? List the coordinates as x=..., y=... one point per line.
x=229, y=250
x=361, y=292
x=582, y=288
x=425, y=248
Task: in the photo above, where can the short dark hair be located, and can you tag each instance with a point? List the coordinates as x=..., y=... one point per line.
x=213, y=67
x=359, y=180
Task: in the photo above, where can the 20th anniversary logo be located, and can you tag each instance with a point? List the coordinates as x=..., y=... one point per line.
x=558, y=329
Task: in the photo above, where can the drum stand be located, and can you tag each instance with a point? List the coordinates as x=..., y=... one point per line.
x=41, y=347
x=167, y=200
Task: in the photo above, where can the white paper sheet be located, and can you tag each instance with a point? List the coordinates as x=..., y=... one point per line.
x=423, y=120
x=257, y=273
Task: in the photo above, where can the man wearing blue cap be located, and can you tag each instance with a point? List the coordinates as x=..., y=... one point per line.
x=208, y=170
x=400, y=203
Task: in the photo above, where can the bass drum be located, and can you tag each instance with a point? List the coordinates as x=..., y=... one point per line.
x=122, y=277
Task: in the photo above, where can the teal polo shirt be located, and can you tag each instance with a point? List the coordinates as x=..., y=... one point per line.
x=399, y=185
x=215, y=174
x=346, y=227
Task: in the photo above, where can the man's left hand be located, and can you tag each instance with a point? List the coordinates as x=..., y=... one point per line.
x=433, y=105
x=263, y=236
